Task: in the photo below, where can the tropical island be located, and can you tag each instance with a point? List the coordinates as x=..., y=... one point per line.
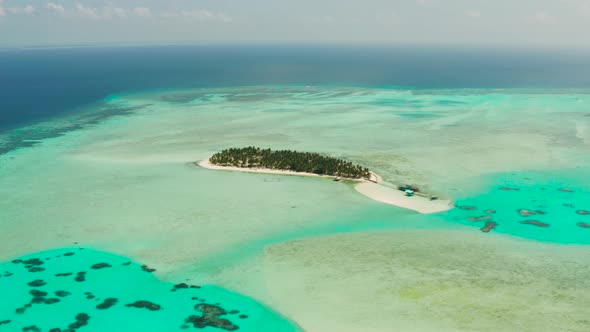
x=287, y=160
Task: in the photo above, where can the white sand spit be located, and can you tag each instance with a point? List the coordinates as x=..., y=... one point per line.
x=375, y=191
x=396, y=197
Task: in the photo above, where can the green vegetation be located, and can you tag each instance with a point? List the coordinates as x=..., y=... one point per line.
x=252, y=157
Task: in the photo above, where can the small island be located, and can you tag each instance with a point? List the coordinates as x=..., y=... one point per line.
x=287, y=162
x=292, y=161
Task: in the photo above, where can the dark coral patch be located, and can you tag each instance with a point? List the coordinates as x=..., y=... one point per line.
x=80, y=277
x=509, y=189
x=490, y=211
x=33, y=261
x=69, y=254
x=37, y=283
x=565, y=190
x=37, y=293
x=211, y=318
x=479, y=218
x=535, y=223
x=100, y=266
x=568, y=205
x=147, y=269
x=490, y=225
x=145, y=304
x=583, y=212
x=32, y=328
x=243, y=316
x=107, y=303
x=467, y=208
x=583, y=225
x=51, y=301
x=126, y=263
x=64, y=274
x=62, y=293
x=36, y=300
x=4, y=322
x=81, y=320
x=528, y=213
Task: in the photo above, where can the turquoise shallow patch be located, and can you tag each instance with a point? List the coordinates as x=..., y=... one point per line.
x=551, y=206
x=87, y=290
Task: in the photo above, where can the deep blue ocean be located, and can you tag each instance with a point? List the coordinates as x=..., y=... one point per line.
x=36, y=84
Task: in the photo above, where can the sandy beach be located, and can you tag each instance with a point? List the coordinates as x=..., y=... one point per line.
x=396, y=197
x=207, y=164
x=372, y=189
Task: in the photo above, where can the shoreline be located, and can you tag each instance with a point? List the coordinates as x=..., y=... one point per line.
x=372, y=189
x=208, y=165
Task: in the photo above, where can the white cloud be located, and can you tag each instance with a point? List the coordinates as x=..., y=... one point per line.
x=541, y=17
x=115, y=12
x=475, y=14
x=2, y=11
x=103, y=13
x=120, y=12
x=199, y=15
x=142, y=12
x=28, y=9
x=93, y=13
x=87, y=12
x=55, y=7
x=425, y=2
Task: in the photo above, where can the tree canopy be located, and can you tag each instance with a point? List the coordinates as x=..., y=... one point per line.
x=253, y=157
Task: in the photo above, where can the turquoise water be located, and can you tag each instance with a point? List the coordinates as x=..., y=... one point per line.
x=543, y=206
x=82, y=285
x=119, y=177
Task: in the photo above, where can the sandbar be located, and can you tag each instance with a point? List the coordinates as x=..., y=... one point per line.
x=207, y=164
x=398, y=198
x=372, y=189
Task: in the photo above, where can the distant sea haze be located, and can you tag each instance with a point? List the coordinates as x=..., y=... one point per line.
x=36, y=84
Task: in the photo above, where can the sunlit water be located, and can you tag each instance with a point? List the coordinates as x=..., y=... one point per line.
x=80, y=289
x=118, y=177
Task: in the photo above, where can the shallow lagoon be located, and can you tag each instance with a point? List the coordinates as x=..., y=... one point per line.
x=125, y=184
x=52, y=290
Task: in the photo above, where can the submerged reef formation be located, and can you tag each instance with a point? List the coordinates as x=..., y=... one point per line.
x=479, y=218
x=287, y=160
x=530, y=207
x=527, y=213
x=211, y=317
x=490, y=225
x=535, y=223
x=42, y=293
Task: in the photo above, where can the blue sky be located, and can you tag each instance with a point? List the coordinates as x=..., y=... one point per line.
x=450, y=22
